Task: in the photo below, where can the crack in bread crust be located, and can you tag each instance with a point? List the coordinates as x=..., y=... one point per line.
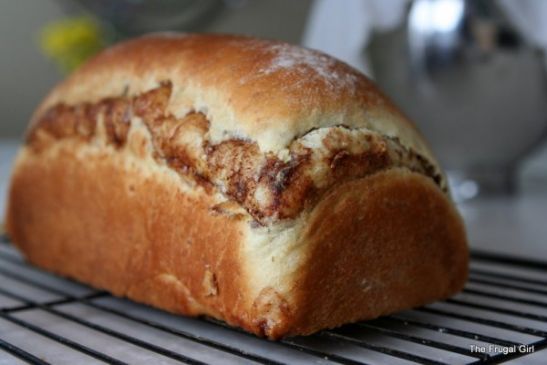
x=270, y=187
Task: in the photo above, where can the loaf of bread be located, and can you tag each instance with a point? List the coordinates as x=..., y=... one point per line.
x=260, y=183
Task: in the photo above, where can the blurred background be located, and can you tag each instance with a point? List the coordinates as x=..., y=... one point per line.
x=471, y=74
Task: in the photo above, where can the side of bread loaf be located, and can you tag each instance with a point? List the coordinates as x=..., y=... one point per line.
x=252, y=181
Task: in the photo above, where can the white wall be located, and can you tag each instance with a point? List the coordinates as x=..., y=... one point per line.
x=25, y=74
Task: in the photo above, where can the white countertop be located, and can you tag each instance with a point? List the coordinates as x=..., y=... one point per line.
x=510, y=225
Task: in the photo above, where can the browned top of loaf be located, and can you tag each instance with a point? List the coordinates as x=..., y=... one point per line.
x=268, y=187
x=265, y=91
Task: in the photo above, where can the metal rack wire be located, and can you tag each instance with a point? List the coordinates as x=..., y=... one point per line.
x=48, y=319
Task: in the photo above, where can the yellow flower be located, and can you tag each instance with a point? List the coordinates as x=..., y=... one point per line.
x=70, y=42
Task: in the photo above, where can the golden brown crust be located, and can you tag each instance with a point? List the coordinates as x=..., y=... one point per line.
x=372, y=246
x=106, y=223
x=269, y=92
x=378, y=245
x=268, y=187
x=143, y=173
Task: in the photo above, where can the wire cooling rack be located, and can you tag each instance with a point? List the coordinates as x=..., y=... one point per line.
x=500, y=316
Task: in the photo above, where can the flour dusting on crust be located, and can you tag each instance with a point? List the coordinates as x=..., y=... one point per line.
x=306, y=65
x=308, y=62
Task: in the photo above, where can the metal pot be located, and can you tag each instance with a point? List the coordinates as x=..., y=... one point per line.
x=474, y=86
